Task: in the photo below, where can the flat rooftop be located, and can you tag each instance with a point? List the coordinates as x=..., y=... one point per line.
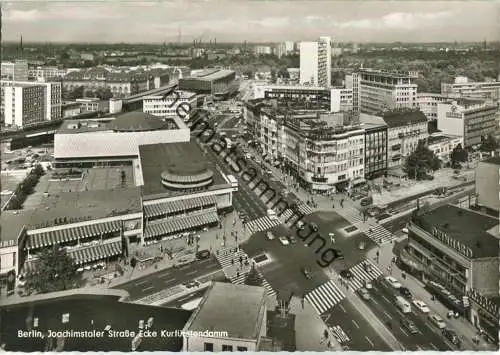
x=439, y=138
x=468, y=227
x=157, y=158
x=212, y=74
x=87, y=313
x=397, y=118
x=371, y=121
x=235, y=309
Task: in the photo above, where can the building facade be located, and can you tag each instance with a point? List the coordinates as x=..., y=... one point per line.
x=428, y=104
x=316, y=62
x=487, y=182
x=42, y=73
x=15, y=71
x=375, y=146
x=405, y=129
x=24, y=105
x=487, y=90
x=296, y=96
x=341, y=100
x=211, y=81
x=471, y=119
x=168, y=106
x=442, y=145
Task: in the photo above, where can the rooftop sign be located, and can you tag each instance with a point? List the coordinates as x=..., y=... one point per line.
x=451, y=242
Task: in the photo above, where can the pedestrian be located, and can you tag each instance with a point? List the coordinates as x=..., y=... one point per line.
x=333, y=205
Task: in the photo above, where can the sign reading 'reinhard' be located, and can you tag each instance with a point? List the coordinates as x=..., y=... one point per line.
x=451, y=242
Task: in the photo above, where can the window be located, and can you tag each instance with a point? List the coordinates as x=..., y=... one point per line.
x=227, y=347
x=241, y=348
x=209, y=346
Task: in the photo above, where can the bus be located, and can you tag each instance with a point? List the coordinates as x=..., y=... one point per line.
x=233, y=181
x=403, y=304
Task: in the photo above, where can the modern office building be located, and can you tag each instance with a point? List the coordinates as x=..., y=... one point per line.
x=43, y=73
x=79, y=143
x=378, y=91
x=316, y=62
x=27, y=103
x=472, y=119
x=178, y=103
x=341, y=100
x=456, y=251
x=15, y=71
x=405, y=129
x=462, y=88
x=375, y=145
x=241, y=327
x=289, y=46
x=220, y=83
x=261, y=50
x=428, y=103
x=487, y=185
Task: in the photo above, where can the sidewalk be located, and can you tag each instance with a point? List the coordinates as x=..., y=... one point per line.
x=460, y=325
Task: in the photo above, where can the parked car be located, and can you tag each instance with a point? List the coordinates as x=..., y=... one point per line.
x=364, y=293
x=368, y=284
x=346, y=274
x=284, y=240
x=421, y=306
x=409, y=325
x=203, y=254
x=306, y=272
x=405, y=293
x=300, y=225
x=437, y=321
x=292, y=239
x=270, y=235
x=452, y=337
x=393, y=282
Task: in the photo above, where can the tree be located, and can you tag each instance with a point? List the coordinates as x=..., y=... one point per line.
x=55, y=271
x=458, y=155
x=253, y=278
x=421, y=161
x=38, y=170
x=488, y=144
x=75, y=93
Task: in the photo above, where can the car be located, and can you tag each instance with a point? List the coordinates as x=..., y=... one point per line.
x=393, y=282
x=191, y=284
x=314, y=227
x=306, y=272
x=366, y=201
x=292, y=239
x=437, y=321
x=452, y=337
x=203, y=254
x=409, y=325
x=405, y=230
x=405, y=292
x=364, y=293
x=346, y=274
x=284, y=240
x=368, y=284
x=270, y=235
x=421, y=306
x=300, y=225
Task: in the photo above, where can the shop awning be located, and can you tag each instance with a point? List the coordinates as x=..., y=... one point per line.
x=179, y=205
x=44, y=239
x=180, y=224
x=96, y=252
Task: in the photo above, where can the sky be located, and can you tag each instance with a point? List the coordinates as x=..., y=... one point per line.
x=253, y=21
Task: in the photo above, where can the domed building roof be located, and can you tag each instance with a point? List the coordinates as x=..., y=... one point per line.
x=136, y=121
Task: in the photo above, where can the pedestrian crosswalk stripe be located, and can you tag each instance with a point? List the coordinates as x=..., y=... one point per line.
x=262, y=224
x=325, y=297
x=360, y=275
x=339, y=334
x=226, y=256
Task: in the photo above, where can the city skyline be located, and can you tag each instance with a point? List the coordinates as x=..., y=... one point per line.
x=253, y=21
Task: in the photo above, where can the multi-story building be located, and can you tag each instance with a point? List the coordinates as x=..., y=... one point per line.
x=289, y=46
x=456, y=250
x=43, y=73
x=352, y=82
x=241, y=327
x=442, y=145
x=472, y=119
x=260, y=50
x=219, y=83
x=375, y=145
x=316, y=62
x=93, y=104
x=487, y=182
x=379, y=91
x=26, y=103
x=488, y=90
x=341, y=100
x=15, y=71
x=428, y=103
x=169, y=106
x=405, y=129
x=280, y=49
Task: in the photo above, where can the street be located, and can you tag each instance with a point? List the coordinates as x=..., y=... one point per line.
x=167, y=278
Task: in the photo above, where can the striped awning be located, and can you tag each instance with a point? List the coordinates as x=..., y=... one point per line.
x=96, y=252
x=179, y=205
x=44, y=239
x=180, y=224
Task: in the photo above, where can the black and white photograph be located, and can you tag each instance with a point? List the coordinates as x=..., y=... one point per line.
x=246, y=175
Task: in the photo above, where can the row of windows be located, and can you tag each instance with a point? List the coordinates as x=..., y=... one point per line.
x=210, y=347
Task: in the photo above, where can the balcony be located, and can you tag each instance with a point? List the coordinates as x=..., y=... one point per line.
x=319, y=179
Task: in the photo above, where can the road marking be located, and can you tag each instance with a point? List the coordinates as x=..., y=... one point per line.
x=169, y=280
x=375, y=302
x=434, y=346
x=192, y=272
x=165, y=274
x=405, y=333
x=387, y=315
x=369, y=341
x=342, y=308
x=148, y=288
x=385, y=298
x=355, y=324
x=141, y=283
x=327, y=318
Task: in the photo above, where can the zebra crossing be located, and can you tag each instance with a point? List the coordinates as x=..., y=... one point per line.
x=339, y=334
x=230, y=257
x=360, y=275
x=325, y=297
x=262, y=224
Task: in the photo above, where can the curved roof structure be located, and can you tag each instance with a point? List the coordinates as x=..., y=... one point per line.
x=136, y=122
